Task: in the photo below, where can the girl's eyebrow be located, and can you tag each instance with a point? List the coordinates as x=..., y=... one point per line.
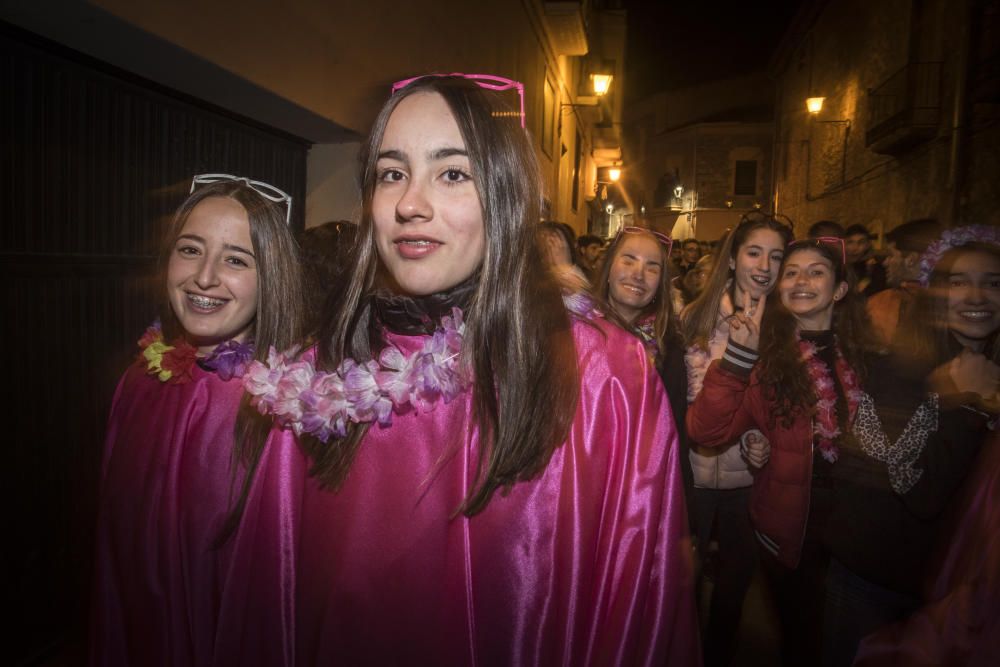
x=392, y=154
x=226, y=246
x=236, y=248
x=442, y=153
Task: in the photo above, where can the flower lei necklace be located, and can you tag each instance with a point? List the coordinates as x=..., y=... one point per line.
x=173, y=363
x=825, y=424
x=647, y=333
x=322, y=404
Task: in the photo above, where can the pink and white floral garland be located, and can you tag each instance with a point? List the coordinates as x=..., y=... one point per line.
x=322, y=404
x=953, y=238
x=825, y=424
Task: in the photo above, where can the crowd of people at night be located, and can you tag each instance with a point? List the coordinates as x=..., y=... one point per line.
x=443, y=433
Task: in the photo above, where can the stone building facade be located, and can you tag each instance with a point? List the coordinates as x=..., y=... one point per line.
x=908, y=127
x=700, y=157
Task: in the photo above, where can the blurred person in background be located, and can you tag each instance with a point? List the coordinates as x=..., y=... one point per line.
x=690, y=253
x=868, y=271
x=590, y=247
x=559, y=249
x=826, y=228
x=922, y=422
x=687, y=288
x=905, y=244
x=326, y=251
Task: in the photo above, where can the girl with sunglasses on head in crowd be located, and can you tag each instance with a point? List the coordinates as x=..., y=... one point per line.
x=792, y=369
x=634, y=282
x=919, y=428
x=178, y=580
x=745, y=273
x=495, y=478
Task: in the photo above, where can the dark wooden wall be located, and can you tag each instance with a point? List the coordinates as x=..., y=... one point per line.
x=91, y=162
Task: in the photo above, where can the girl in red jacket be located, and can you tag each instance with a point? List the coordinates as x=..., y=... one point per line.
x=791, y=369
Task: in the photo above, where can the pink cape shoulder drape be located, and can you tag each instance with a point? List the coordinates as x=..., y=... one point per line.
x=960, y=624
x=162, y=594
x=587, y=564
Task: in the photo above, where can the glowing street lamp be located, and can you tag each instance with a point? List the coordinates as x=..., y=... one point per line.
x=614, y=173
x=601, y=83
x=815, y=104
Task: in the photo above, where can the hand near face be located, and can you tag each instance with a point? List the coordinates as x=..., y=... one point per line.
x=744, y=326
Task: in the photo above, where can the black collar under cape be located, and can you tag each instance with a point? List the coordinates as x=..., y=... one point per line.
x=415, y=315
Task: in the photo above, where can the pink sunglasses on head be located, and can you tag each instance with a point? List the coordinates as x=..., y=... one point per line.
x=834, y=241
x=487, y=81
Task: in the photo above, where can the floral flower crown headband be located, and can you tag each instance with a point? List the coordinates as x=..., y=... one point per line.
x=955, y=238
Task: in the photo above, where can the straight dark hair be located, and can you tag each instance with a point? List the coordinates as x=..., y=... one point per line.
x=277, y=322
x=518, y=341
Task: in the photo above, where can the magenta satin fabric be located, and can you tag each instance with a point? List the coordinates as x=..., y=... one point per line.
x=587, y=565
x=162, y=595
x=960, y=624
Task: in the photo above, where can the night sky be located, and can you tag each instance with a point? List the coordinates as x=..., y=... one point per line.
x=672, y=44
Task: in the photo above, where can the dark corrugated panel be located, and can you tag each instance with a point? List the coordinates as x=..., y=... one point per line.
x=90, y=164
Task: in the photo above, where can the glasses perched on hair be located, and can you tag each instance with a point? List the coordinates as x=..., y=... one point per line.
x=487, y=81
x=265, y=190
x=814, y=241
x=660, y=236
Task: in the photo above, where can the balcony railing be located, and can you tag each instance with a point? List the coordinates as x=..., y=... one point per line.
x=905, y=109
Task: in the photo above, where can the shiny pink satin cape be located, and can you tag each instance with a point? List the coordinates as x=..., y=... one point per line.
x=162, y=594
x=589, y=564
x=960, y=624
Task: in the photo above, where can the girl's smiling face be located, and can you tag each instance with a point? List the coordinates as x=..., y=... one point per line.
x=974, y=298
x=212, y=274
x=755, y=267
x=808, y=288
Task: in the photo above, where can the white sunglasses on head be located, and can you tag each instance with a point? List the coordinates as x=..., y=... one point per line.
x=265, y=190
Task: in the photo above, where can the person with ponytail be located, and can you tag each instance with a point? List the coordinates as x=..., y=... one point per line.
x=495, y=474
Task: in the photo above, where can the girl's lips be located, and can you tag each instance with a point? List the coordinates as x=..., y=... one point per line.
x=415, y=248
x=977, y=315
x=205, y=304
x=635, y=289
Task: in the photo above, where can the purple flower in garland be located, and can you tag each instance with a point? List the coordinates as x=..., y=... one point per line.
x=230, y=359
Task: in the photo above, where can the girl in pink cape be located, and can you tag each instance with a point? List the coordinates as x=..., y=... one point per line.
x=179, y=580
x=495, y=476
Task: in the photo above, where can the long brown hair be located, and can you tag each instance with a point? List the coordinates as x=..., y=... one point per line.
x=277, y=322
x=664, y=326
x=782, y=371
x=699, y=318
x=518, y=341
